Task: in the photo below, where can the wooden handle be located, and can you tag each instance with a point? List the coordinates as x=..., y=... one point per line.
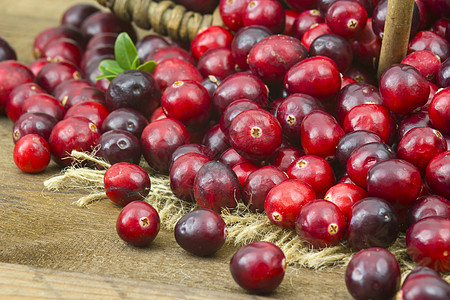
x=396, y=33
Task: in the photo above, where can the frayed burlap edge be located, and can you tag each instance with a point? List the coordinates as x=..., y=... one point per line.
x=243, y=225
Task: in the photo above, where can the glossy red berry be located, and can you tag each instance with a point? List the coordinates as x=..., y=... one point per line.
x=373, y=274
x=232, y=110
x=352, y=140
x=437, y=174
x=243, y=41
x=285, y=200
x=285, y=156
x=138, y=224
x=217, y=62
x=258, y=267
x=425, y=61
x=255, y=134
x=268, y=13
x=427, y=243
x=210, y=38
x=344, y=195
x=37, y=123
x=428, y=206
x=18, y=96
x=126, y=182
x=346, y=18
x=119, y=146
x=174, y=69
x=12, y=74
x=424, y=286
x=127, y=119
x=243, y=170
x=231, y=13
x=201, y=232
x=305, y=20
x=32, y=154
x=439, y=111
x=320, y=223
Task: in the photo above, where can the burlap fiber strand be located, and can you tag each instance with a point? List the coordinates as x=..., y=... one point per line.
x=243, y=225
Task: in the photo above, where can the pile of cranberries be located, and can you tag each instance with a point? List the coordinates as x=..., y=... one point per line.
x=280, y=109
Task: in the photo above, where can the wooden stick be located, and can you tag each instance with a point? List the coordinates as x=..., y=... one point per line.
x=396, y=33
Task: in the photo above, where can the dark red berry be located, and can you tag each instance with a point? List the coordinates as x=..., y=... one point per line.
x=258, y=267
x=439, y=111
x=216, y=140
x=346, y=18
x=127, y=119
x=283, y=158
x=243, y=42
x=232, y=110
x=231, y=13
x=268, y=13
x=201, y=232
x=119, y=146
x=305, y=20
x=335, y=47
x=55, y=73
x=44, y=103
x=174, y=69
x=373, y=274
x=424, y=286
x=428, y=206
x=138, y=224
x=12, y=74
x=344, y=195
x=437, y=174
x=106, y=21
x=77, y=13
x=243, y=170
x=37, y=123
x=217, y=62
x=352, y=140
x=18, y=96
x=94, y=111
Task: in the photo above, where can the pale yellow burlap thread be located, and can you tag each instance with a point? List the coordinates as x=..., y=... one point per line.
x=243, y=225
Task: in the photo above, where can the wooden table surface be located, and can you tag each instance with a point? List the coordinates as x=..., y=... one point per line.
x=50, y=248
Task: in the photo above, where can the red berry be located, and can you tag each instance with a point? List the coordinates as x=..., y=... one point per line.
x=268, y=13
x=138, y=224
x=32, y=153
x=210, y=38
x=346, y=18
x=12, y=74
x=344, y=195
x=258, y=267
x=439, y=111
x=437, y=174
x=126, y=182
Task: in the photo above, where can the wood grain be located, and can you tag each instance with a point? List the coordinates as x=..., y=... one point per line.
x=50, y=248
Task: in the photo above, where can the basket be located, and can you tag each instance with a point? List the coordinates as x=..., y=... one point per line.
x=163, y=17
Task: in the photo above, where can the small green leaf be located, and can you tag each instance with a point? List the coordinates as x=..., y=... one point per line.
x=109, y=77
x=148, y=66
x=135, y=63
x=110, y=67
x=125, y=52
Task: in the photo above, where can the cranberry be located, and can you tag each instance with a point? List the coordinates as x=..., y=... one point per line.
x=355, y=94
x=414, y=120
x=216, y=140
x=82, y=95
x=37, y=123
x=54, y=33
x=371, y=117
x=243, y=42
x=119, y=146
x=255, y=134
x=364, y=157
x=268, y=13
x=64, y=91
x=305, y=20
x=403, y=88
x=75, y=133
x=31, y=154
x=91, y=110
x=44, y=103
x=37, y=65
x=346, y=18
x=182, y=174
x=192, y=148
x=373, y=222
x=352, y=140
x=232, y=110
x=427, y=206
x=373, y=274
x=258, y=184
x=231, y=13
x=273, y=56
x=366, y=46
x=211, y=83
x=315, y=171
x=316, y=76
x=258, y=267
x=102, y=40
x=320, y=223
x=217, y=62
x=55, y=73
x=90, y=55
x=7, y=52
x=361, y=73
x=216, y=187
x=18, y=96
x=160, y=139
x=12, y=74
x=209, y=38
x=314, y=32
x=138, y=224
x=231, y=158
x=63, y=49
x=126, y=182
x=427, y=243
x=437, y=174
x=106, y=21
x=302, y=5
x=243, y=170
x=394, y=180
x=320, y=134
x=133, y=89
x=429, y=40
x=419, y=145
x=174, y=69
x=170, y=52
x=149, y=44
x=335, y=47
x=77, y=13
x=439, y=111
x=187, y=101
x=201, y=232
x=291, y=112
x=240, y=86
x=421, y=270
x=425, y=61
x=344, y=195
x=283, y=158
x=443, y=74
x=424, y=287
x=127, y=119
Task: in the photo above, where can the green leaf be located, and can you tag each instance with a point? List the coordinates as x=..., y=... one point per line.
x=125, y=52
x=135, y=63
x=148, y=66
x=109, y=66
x=109, y=77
